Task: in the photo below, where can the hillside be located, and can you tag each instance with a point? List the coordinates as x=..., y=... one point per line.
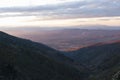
x=103, y=59
x=22, y=59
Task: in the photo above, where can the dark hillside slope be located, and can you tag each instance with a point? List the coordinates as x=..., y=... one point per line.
x=22, y=59
x=102, y=59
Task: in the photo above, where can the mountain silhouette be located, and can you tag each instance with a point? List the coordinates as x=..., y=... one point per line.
x=22, y=59
x=103, y=59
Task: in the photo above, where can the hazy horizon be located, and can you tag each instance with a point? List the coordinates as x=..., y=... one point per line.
x=59, y=13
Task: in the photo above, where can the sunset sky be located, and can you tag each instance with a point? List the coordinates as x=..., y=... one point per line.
x=59, y=13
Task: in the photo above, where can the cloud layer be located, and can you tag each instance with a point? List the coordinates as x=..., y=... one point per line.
x=72, y=9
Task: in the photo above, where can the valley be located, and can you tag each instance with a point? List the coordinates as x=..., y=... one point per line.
x=67, y=39
x=22, y=59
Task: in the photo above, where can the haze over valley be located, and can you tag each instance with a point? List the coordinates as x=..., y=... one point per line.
x=67, y=39
x=59, y=39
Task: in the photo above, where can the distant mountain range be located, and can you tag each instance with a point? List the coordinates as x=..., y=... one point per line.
x=22, y=59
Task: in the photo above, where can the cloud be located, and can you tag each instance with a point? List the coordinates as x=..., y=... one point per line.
x=72, y=9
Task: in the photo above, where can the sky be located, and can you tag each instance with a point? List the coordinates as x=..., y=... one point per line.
x=59, y=13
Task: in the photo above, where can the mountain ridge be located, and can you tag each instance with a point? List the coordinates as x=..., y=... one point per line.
x=22, y=59
x=102, y=59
